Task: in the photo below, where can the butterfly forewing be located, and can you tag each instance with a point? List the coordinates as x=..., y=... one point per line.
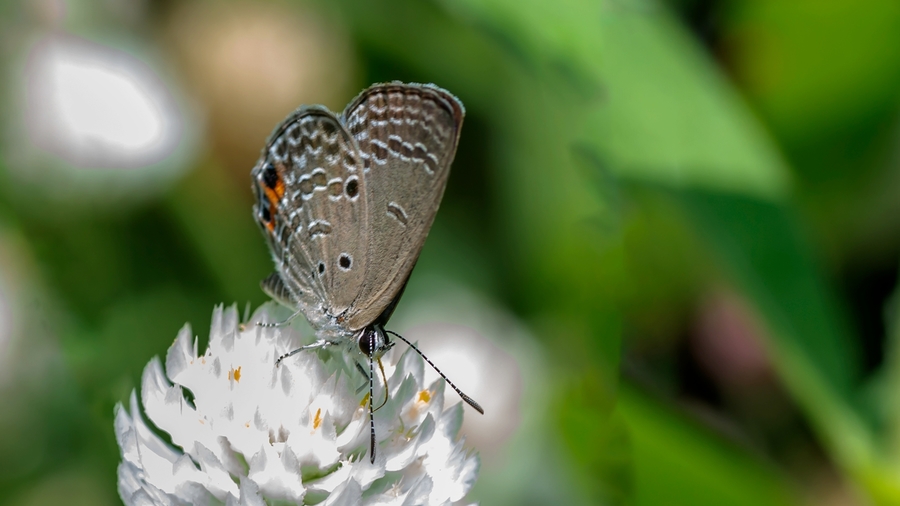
x=312, y=209
x=407, y=136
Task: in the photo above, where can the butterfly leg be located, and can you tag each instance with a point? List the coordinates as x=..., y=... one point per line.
x=362, y=371
x=314, y=346
x=362, y=387
x=283, y=323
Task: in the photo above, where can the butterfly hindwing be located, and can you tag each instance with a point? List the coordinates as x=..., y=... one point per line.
x=407, y=136
x=312, y=209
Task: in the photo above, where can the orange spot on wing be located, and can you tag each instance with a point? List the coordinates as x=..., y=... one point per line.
x=273, y=197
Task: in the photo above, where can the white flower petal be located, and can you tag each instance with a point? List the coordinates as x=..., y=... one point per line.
x=250, y=495
x=277, y=474
x=248, y=432
x=218, y=481
x=419, y=494
x=150, y=470
x=181, y=353
x=406, y=449
x=348, y=493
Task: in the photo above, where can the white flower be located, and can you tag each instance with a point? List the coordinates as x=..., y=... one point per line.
x=248, y=432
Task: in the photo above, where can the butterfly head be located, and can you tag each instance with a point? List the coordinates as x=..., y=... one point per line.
x=373, y=341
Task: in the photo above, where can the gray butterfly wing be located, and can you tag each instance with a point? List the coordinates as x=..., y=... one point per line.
x=274, y=287
x=407, y=136
x=311, y=206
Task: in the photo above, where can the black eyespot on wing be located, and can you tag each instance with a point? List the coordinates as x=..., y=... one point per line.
x=352, y=187
x=270, y=176
x=321, y=267
x=344, y=261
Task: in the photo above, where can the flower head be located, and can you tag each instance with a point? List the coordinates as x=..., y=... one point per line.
x=248, y=432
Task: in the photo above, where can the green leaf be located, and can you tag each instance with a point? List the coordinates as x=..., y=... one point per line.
x=818, y=70
x=669, y=117
x=762, y=248
x=655, y=106
x=678, y=463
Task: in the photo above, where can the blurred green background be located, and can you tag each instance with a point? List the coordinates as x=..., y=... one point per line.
x=692, y=205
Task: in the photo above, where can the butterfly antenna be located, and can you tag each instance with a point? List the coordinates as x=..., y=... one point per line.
x=470, y=401
x=371, y=392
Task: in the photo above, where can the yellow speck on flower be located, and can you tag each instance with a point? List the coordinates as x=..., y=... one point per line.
x=234, y=374
x=317, y=420
x=425, y=396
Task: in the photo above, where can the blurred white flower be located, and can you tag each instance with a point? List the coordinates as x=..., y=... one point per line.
x=252, y=433
x=491, y=357
x=96, y=106
x=92, y=125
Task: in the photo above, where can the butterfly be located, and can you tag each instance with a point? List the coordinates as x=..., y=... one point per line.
x=345, y=204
